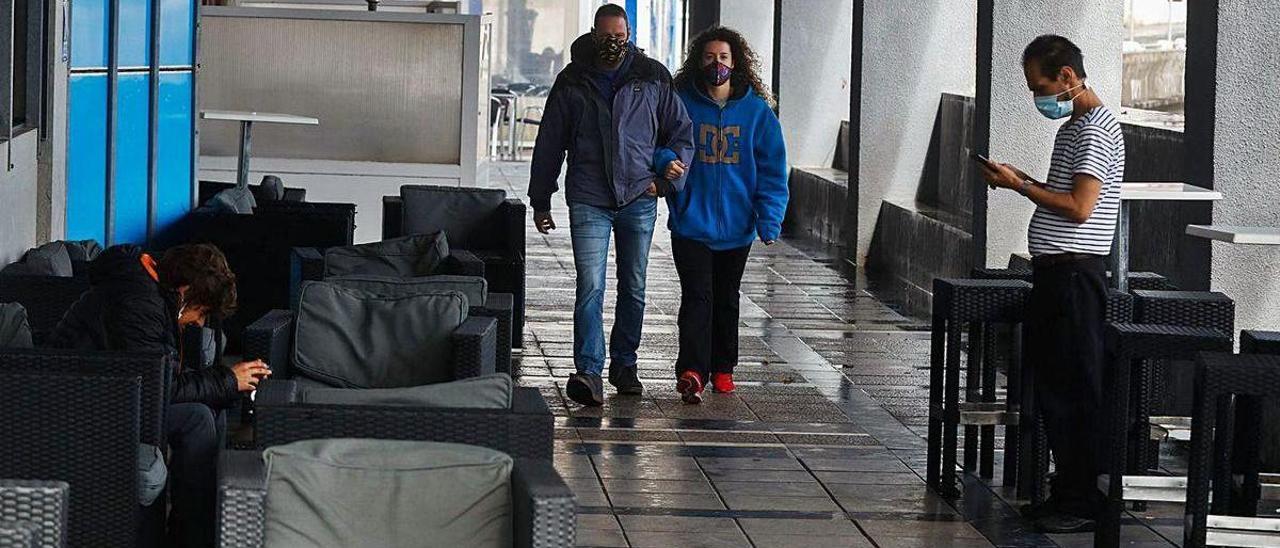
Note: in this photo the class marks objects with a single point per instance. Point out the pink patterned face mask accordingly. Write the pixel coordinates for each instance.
(716, 73)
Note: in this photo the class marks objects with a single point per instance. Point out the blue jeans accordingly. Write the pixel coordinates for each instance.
(590, 227)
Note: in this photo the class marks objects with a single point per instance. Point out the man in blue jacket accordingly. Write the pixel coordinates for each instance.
(610, 110)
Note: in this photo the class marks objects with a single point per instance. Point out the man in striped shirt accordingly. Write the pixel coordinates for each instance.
(1069, 238)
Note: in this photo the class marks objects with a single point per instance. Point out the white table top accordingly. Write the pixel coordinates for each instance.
(267, 117)
(1255, 235)
(1167, 192)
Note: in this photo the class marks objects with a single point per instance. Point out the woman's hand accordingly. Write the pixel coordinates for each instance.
(249, 374)
(675, 170)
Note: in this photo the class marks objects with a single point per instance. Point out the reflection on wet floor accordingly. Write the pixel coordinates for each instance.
(821, 445)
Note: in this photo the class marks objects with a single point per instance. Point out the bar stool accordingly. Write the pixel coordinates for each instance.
(957, 302)
(1219, 377)
(1130, 346)
(1027, 446)
(1185, 308)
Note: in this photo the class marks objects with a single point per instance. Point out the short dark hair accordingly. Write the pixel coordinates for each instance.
(611, 10)
(203, 270)
(1053, 52)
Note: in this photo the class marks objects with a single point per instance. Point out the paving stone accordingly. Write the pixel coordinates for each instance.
(767, 540)
(633, 523)
(701, 539)
(666, 501)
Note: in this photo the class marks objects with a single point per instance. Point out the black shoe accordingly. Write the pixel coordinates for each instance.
(625, 380)
(1039, 510)
(586, 389)
(1060, 523)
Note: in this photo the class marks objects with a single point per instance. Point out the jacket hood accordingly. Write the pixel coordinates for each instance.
(121, 263)
(582, 57)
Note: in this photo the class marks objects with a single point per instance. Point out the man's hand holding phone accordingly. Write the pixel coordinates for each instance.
(1000, 175)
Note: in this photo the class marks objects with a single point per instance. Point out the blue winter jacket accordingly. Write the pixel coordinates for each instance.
(736, 188)
(610, 145)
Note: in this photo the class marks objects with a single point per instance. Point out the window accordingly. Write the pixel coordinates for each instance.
(21, 76)
(1155, 55)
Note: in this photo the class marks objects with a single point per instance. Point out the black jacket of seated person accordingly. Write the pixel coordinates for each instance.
(126, 309)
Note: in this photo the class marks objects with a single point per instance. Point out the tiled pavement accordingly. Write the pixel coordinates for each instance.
(822, 445)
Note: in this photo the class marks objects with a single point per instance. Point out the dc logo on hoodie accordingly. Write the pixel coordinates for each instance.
(717, 146)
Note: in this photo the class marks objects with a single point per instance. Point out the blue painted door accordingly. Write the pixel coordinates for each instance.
(88, 133)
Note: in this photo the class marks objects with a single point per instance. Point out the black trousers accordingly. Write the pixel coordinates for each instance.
(193, 437)
(709, 284)
(1064, 336)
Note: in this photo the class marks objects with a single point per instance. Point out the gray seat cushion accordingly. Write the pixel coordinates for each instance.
(465, 214)
(349, 338)
(233, 200)
(387, 494)
(398, 257)
(474, 287)
(15, 332)
(487, 392)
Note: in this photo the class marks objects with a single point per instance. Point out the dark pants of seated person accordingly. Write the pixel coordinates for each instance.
(709, 284)
(1064, 334)
(193, 454)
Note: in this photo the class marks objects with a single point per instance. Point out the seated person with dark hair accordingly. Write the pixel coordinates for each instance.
(135, 304)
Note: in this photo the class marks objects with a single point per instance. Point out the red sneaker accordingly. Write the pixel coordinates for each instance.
(722, 382)
(690, 387)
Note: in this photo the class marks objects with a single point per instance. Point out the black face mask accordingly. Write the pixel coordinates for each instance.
(610, 50)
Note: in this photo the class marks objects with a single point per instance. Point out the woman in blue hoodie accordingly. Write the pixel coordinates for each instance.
(735, 193)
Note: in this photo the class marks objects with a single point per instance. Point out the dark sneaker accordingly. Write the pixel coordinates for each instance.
(586, 389)
(625, 380)
(689, 386)
(1060, 524)
(1036, 511)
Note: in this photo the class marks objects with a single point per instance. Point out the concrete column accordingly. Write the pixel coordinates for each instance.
(814, 66)
(1018, 133)
(52, 192)
(754, 19)
(913, 52)
(18, 197)
(1245, 149)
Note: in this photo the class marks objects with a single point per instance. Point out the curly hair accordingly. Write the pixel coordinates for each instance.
(203, 270)
(746, 65)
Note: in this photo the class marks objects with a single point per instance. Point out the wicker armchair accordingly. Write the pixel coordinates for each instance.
(543, 507)
(308, 265)
(526, 430)
(33, 514)
(257, 247)
(499, 242)
(81, 429)
(46, 298)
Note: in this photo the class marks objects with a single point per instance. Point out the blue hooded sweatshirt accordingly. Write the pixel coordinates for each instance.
(736, 188)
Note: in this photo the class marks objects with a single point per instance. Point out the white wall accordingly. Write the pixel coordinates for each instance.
(1247, 157)
(1019, 134)
(754, 19)
(912, 53)
(18, 198)
(814, 70)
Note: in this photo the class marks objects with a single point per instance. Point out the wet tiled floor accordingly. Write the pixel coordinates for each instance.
(822, 445)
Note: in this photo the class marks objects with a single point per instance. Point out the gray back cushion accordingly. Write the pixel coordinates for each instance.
(15, 332)
(465, 214)
(487, 392)
(474, 287)
(83, 250)
(387, 494)
(271, 188)
(234, 200)
(355, 339)
(398, 257)
(51, 259)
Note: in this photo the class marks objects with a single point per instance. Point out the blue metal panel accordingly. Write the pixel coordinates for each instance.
(175, 176)
(86, 157)
(131, 159)
(89, 33)
(177, 33)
